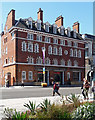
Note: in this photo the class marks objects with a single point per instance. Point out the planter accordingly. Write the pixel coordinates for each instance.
(44, 84)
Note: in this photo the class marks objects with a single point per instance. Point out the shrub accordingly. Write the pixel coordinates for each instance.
(14, 115)
(84, 112)
(45, 104)
(32, 107)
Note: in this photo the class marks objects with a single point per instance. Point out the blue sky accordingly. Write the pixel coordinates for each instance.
(71, 11)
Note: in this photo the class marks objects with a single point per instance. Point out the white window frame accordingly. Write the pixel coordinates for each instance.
(55, 50)
(55, 41)
(69, 43)
(30, 75)
(79, 53)
(12, 34)
(30, 60)
(55, 29)
(75, 52)
(62, 42)
(71, 52)
(36, 48)
(38, 24)
(39, 38)
(63, 62)
(50, 50)
(69, 63)
(47, 39)
(68, 75)
(30, 47)
(75, 63)
(55, 61)
(39, 60)
(23, 45)
(47, 61)
(75, 44)
(60, 50)
(24, 74)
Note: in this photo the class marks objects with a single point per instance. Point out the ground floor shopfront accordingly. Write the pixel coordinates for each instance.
(33, 75)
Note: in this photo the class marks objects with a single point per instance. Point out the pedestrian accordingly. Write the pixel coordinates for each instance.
(93, 90)
(22, 85)
(83, 88)
(56, 88)
(86, 88)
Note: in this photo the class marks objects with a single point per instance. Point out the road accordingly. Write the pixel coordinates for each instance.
(26, 92)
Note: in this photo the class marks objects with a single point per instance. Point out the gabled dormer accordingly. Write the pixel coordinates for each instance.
(46, 26)
(68, 32)
(38, 24)
(54, 28)
(61, 30)
(29, 22)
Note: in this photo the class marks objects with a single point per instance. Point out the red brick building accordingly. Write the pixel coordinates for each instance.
(22, 45)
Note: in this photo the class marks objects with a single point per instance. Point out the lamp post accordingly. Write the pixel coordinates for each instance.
(43, 50)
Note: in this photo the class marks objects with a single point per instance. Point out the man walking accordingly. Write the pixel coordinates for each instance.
(56, 88)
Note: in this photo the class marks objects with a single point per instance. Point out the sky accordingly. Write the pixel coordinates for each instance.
(71, 11)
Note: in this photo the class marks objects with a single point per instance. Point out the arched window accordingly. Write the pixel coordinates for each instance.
(71, 52)
(55, 61)
(50, 50)
(23, 75)
(62, 62)
(30, 60)
(60, 50)
(23, 46)
(75, 63)
(30, 47)
(47, 60)
(75, 53)
(69, 63)
(39, 60)
(55, 51)
(30, 75)
(79, 53)
(36, 48)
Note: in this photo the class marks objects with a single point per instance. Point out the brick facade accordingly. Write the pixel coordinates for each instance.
(15, 60)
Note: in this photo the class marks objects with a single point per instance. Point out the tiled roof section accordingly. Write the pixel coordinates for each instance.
(23, 24)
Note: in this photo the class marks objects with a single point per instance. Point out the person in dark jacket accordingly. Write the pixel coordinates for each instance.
(56, 88)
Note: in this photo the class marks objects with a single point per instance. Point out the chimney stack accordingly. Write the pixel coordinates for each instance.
(76, 26)
(40, 15)
(11, 19)
(59, 21)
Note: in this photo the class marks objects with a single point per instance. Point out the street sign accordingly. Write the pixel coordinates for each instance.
(44, 70)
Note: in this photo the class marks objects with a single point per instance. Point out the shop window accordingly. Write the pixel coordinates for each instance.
(23, 75)
(68, 76)
(30, 75)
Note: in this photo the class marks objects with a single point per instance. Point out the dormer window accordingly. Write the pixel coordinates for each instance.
(46, 27)
(62, 30)
(54, 28)
(74, 33)
(69, 32)
(38, 24)
(30, 22)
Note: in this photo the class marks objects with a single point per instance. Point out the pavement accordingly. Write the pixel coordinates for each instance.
(18, 103)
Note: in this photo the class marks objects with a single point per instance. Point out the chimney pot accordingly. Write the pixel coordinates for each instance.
(40, 15)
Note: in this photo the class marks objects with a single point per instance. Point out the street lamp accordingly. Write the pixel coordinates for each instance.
(43, 50)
